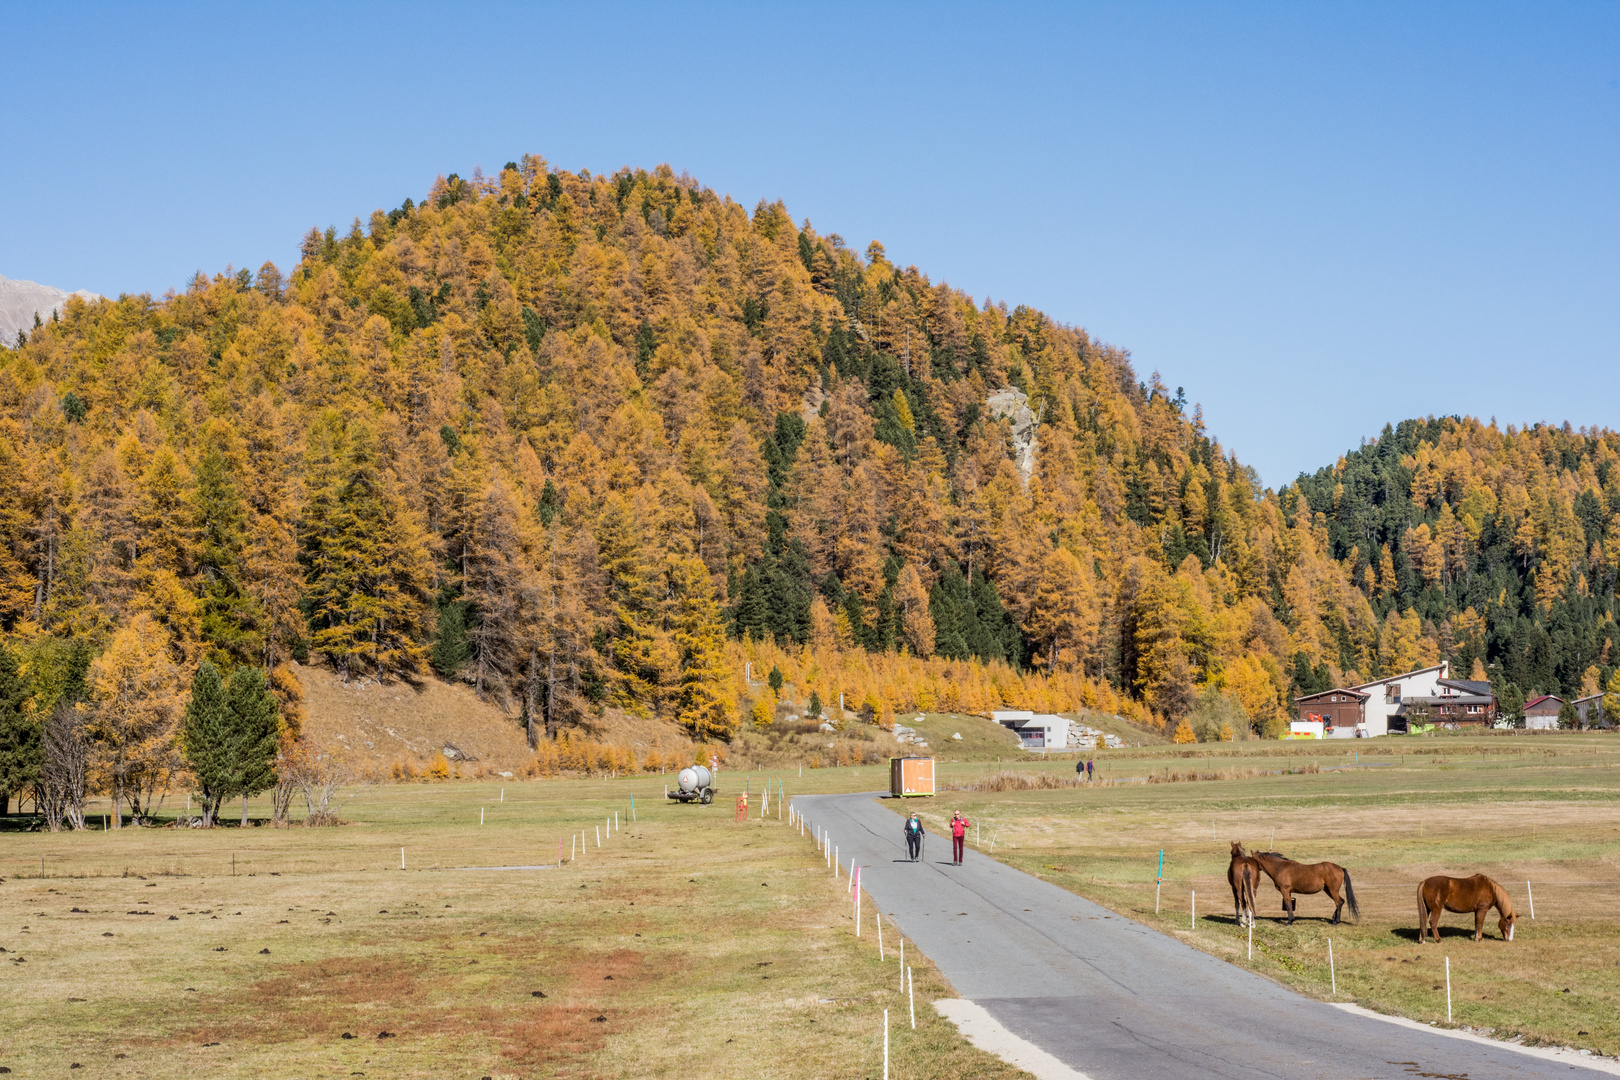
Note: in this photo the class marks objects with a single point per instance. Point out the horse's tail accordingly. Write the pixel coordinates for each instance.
(1350, 895)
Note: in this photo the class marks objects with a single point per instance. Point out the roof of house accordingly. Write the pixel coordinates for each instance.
(1440, 667)
(1592, 697)
(1544, 699)
(1456, 699)
(1467, 686)
(1339, 690)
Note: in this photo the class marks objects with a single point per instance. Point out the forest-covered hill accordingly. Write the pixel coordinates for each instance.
(1497, 549)
(563, 434)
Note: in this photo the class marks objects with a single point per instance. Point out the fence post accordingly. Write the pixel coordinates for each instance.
(1448, 989)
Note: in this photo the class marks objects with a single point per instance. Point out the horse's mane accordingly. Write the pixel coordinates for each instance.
(1503, 904)
(1274, 854)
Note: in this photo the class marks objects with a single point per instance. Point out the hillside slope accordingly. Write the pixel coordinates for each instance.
(565, 433)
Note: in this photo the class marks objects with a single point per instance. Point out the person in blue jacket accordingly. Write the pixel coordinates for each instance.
(914, 835)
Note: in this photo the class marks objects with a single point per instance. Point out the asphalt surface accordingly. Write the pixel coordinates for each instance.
(1112, 998)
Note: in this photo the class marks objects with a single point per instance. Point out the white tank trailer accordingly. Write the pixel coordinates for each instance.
(694, 782)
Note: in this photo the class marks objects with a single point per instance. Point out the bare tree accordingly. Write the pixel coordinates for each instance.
(66, 767)
(320, 777)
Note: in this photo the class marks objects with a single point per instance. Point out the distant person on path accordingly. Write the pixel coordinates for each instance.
(1088, 768)
(1080, 768)
(959, 828)
(914, 835)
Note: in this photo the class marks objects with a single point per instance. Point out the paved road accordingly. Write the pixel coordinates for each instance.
(1112, 998)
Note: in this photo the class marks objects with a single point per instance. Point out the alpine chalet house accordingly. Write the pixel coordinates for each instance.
(1338, 711)
(1424, 696)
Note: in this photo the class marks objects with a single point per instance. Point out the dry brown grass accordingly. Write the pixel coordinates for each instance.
(688, 945)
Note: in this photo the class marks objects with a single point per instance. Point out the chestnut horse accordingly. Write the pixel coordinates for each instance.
(1461, 895)
(1291, 877)
(1244, 876)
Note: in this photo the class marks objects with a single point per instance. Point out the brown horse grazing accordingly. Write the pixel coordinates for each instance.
(1291, 877)
(1244, 876)
(1461, 895)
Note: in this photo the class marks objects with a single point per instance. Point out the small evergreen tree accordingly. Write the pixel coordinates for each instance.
(814, 708)
(255, 730)
(774, 680)
(1568, 716)
(21, 751)
(451, 648)
(206, 739)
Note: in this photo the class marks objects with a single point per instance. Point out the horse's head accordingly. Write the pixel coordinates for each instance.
(1505, 907)
(1237, 849)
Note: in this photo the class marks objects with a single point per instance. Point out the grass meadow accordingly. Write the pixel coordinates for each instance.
(687, 944)
(1541, 809)
(690, 943)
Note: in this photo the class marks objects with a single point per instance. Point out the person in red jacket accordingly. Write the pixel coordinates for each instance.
(959, 828)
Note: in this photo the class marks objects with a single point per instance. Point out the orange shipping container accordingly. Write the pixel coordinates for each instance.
(911, 776)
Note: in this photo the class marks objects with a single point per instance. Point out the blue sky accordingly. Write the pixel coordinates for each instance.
(1316, 219)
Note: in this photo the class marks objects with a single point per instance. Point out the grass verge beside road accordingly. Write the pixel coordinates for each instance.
(1544, 810)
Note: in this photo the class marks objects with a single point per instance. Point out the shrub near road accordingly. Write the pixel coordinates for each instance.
(1542, 810)
(688, 945)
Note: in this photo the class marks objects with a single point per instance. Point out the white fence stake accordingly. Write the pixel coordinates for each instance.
(836, 867)
(911, 993)
(599, 836)
(1157, 885)
(885, 1044)
(1195, 909)
(902, 961)
(1251, 941)
(878, 915)
(480, 815)
(573, 848)
(1532, 894)
(1333, 978)
(1448, 989)
(402, 858)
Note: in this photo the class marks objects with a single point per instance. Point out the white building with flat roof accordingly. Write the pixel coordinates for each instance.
(1384, 697)
(1036, 731)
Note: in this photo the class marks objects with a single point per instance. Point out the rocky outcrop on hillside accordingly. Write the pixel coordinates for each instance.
(1013, 403)
(20, 301)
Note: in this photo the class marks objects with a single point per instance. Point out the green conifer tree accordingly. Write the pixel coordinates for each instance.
(206, 740)
(255, 722)
(451, 650)
(21, 751)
